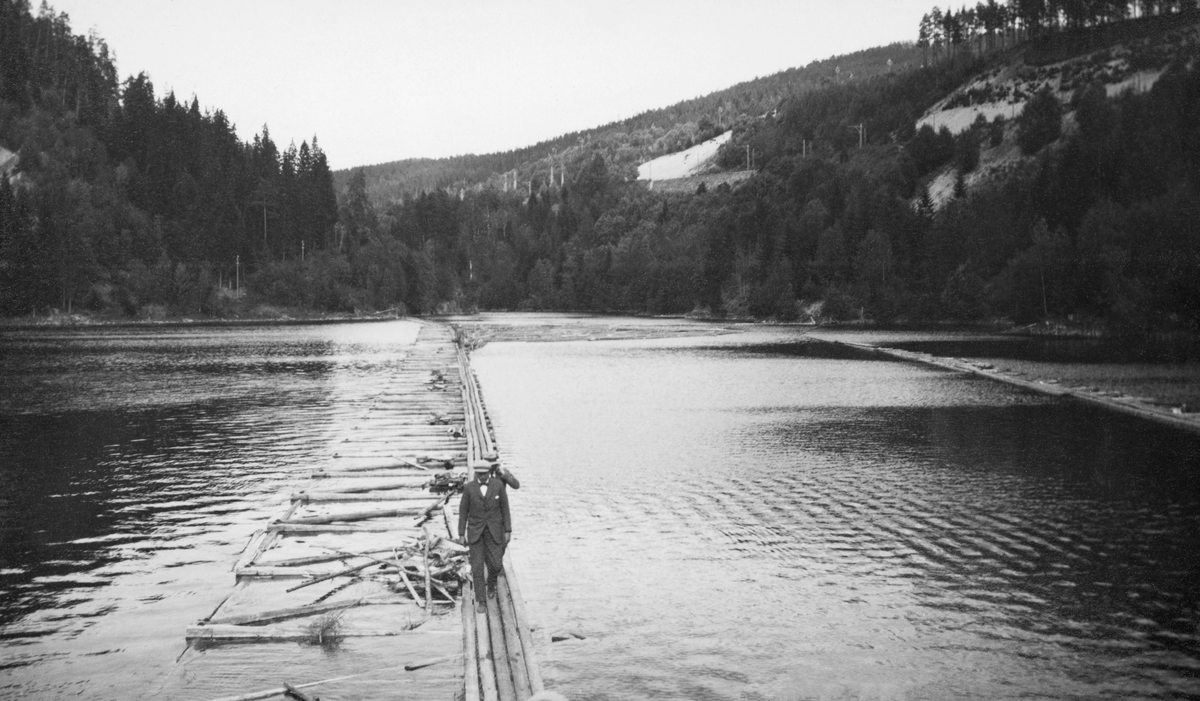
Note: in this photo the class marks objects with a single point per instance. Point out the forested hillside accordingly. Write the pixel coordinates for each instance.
(128, 203)
(626, 144)
(1085, 213)
(1071, 196)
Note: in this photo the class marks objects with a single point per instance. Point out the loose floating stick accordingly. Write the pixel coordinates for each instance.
(432, 661)
(295, 693)
(327, 577)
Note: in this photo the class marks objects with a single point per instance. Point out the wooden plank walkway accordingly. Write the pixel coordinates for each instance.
(366, 542)
(499, 661)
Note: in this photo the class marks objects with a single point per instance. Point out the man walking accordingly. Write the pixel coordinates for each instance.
(484, 525)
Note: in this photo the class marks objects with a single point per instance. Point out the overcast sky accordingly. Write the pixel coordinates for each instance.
(379, 80)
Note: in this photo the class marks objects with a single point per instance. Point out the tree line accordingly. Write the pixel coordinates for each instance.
(992, 25)
(129, 203)
(139, 202)
(1093, 223)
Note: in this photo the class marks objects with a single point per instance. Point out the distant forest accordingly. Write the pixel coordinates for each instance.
(1091, 219)
(127, 203)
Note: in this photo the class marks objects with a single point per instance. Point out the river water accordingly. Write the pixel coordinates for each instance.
(747, 516)
(753, 517)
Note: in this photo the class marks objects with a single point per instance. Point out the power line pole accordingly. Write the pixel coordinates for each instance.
(861, 131)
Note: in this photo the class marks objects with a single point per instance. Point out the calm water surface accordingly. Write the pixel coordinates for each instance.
(134, 466)
(753, 517)
(739, 517)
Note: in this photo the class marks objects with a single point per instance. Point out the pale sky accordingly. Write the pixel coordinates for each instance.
(379, 81)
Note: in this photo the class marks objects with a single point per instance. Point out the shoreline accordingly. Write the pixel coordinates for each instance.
(77, 321)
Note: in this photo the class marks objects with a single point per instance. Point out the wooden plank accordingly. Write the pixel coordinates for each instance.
(318, 559)
(534, 669)
(266, 541)
(483, 650)
(284, 614)
(504, 679)
(342, 497)
(408, 583)
(275, 633)
(411, 666)
(251, 550)
(326, 577)
(409, 484)
(470, 659)
(512, 640)
(354, 516)
(331, 528)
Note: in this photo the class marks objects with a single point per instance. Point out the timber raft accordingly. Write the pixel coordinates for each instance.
(365, 548)
(1091, 396)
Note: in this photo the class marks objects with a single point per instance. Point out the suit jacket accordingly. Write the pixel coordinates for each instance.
(478, 514)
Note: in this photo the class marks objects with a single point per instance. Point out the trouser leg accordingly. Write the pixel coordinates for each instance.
(495, 560)
(476, 553)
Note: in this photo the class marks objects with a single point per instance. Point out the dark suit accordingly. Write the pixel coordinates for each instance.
(485, 522)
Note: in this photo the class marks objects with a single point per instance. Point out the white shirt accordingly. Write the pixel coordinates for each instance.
(483, 488)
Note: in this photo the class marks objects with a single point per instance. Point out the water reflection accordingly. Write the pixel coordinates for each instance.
(134, 465)
(727, 522)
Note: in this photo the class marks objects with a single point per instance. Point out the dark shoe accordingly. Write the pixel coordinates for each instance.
(480, 607)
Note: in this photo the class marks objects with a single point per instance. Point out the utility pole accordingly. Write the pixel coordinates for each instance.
(237, 275)
(861, 131)
(747, 156)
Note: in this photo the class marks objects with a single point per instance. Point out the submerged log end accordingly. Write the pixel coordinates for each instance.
(295, 693)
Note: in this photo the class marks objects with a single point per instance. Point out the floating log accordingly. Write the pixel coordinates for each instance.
(311, 560)
(504, 679)
(268, 572)
(483, 651)
(269, 693)
(522, 625)
(411, 590)
(417, 479)
(343, 573)
(260, 545)
(330, 528)
(512, 640)
(425, 515)
(295, 693)
(437, 586)
(411, 666)
(227, 633)
(353, 516)
(470, 660)
(386, 486)
(285, 614)
(251, 550)
(341, 497)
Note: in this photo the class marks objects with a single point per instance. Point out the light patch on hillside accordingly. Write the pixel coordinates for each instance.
(8, 160)
(1011, 87)
(994, 164)
(684, 163)
(959, 119)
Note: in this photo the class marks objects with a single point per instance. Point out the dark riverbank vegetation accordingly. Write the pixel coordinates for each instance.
(119, 202)
(1024, 161)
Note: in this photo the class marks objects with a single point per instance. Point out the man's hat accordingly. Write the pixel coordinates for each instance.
(481, 465)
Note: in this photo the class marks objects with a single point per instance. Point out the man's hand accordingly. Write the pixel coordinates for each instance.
(508, 537)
